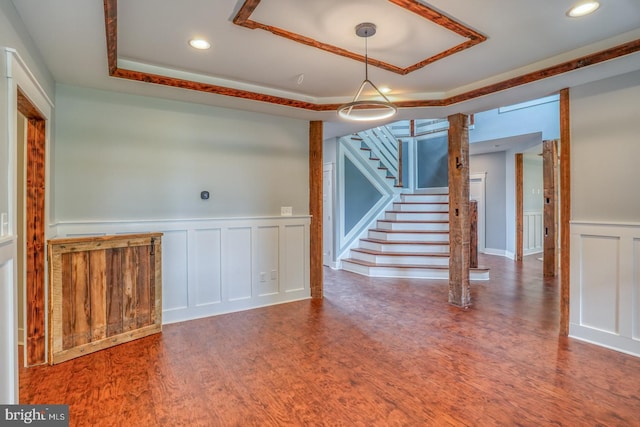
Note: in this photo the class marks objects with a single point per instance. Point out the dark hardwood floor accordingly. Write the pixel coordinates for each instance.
(374, 352)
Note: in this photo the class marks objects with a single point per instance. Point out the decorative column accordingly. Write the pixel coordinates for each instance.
(565, 209)
(550, 178)
(459, 225)
(315, 208)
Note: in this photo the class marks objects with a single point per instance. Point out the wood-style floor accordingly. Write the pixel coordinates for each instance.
(374, 352)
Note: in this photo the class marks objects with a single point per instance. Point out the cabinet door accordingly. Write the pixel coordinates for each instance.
(104, 291)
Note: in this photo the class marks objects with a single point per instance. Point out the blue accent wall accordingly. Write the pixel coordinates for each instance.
(433, 162)
(360, 195)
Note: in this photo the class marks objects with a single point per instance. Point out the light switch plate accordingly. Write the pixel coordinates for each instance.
(286, 211)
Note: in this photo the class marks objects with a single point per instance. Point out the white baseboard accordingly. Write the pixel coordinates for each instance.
(533, 252)
(498, 252)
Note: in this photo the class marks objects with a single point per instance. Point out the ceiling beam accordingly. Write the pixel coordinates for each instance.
(111, 27)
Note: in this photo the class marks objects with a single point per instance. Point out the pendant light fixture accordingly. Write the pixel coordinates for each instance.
(367, 109)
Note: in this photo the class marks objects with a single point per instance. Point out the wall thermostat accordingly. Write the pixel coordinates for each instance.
(204, 195)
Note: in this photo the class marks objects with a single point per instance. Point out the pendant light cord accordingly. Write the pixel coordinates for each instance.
(366, 55)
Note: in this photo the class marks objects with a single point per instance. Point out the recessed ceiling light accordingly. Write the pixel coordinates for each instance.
(583, 8)
(199, 44)
(385, 89)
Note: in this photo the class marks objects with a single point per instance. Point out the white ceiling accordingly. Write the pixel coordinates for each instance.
(522, 36)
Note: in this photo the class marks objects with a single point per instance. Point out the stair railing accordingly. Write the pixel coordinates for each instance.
(384, 146)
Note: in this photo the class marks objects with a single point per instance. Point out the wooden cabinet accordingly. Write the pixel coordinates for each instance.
(103, 291)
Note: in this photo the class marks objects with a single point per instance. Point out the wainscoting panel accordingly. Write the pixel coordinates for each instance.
(605, 277)
(635, 292)
(267, 257)
(219, 266)
(295, 262)
(8, 324)
(532, 232)
(599, 286)
(175, 295)
(205, 266)
(237, 263)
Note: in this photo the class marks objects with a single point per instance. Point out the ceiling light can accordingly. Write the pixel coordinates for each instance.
(582, 8)
(201, 44)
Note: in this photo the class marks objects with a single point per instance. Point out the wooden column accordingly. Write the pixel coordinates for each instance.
(519, 206)
(473, 237)
(34, 239)
(565, 210)
(549, 178)
(315, 207)
(459, 226)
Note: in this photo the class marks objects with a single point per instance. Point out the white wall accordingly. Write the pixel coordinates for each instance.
(605, 148)
(494, 166)
(130, 157)
(605, 228)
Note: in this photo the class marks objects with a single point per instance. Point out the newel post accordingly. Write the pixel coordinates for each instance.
(459, 225)
(315, 208)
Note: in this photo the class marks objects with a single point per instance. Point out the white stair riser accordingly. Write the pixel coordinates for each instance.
(425, 198)
(401, 260)
(478, 275)
(416, 216)
(403, 248)
(425, 226)
(425, 207)
(415, 273)
(423, 273)
(409, 237)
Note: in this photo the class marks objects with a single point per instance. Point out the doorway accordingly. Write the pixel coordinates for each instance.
(31, 231)
(537, 205)
(477, 189)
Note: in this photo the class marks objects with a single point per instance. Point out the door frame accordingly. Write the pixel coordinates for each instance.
(327, 211)
(482, 207)
(31, 238)
(25, 94)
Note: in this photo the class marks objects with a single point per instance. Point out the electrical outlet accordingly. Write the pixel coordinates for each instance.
(286, 211)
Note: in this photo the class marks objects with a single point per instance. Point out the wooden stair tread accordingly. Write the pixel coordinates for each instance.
(423, 194)
(400, 242)
(382, 230)
(415, 221)
(420, 203)
(415, 212)
(372, 252)
(413, 266)
(373, 264)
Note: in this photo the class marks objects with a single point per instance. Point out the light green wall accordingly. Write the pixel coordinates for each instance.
(120, 156)
(605, 148)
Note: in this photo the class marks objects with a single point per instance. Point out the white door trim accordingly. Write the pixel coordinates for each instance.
(479, 179)
(328, 195)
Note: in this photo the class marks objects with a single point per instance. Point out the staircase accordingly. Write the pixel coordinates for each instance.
(411, 241)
